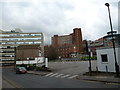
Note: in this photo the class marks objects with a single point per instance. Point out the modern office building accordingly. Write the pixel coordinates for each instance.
(68, 45)
(11, 39)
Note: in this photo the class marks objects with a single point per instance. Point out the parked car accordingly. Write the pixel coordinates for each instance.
(21, 70)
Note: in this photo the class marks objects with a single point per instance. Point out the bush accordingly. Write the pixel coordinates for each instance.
(38, 68)
(87, 58)
(31, 67)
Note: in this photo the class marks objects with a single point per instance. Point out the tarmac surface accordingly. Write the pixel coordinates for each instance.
(71, 68)
(98, 78)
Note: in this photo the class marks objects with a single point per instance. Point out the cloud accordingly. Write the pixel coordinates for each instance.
(59, 17)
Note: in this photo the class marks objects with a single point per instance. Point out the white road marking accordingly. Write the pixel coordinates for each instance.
(65, 76)
(53, 74)
(59, 75)
(48, 74)
(72, 76)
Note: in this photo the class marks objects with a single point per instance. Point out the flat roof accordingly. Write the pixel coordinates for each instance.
(108, 47)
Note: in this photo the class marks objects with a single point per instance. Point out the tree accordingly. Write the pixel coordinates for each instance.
(52, 53)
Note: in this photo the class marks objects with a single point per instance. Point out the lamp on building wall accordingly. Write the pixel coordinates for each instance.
(116, 65)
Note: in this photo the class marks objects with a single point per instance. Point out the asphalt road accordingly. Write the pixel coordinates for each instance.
(37, 81)
(72, 67)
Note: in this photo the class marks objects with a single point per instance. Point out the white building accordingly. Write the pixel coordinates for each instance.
(106, 60)
(11, 39)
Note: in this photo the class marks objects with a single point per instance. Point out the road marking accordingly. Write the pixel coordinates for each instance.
(48, 74)
(59, 75)
(65, 76)
(53, 74)
(72, 77)
(13, 83)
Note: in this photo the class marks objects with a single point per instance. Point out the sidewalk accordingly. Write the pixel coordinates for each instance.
(42, 73)
(98, 78)
(104, 79)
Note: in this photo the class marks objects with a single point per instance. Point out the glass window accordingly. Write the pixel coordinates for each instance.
(104, 58)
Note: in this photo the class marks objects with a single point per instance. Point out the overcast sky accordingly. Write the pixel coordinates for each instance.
(59, 17)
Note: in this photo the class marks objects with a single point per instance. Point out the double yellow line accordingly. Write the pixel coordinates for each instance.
(12, 83)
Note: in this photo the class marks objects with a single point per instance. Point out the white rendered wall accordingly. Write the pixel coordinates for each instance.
(111, 61)
(36, 61)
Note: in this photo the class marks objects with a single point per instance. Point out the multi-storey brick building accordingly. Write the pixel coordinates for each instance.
(68, 45)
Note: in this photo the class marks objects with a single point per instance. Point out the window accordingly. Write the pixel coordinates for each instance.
(104, 58)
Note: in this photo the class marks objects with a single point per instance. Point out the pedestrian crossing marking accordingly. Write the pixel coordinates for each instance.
(72, 76)
(48, 74)
(68, 76)
(53, 74)
(59, 75)
(65, 76)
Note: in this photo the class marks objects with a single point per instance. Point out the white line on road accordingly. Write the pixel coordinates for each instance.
(59, 75)
(65, 76)
(53, 74)
(48, 74)
(72, 77)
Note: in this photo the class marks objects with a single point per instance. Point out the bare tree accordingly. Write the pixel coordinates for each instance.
(52, 53)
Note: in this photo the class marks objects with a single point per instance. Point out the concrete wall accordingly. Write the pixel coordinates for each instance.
(111, 61)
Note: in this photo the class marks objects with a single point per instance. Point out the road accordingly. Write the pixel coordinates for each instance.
(37, 81)
(72, 67)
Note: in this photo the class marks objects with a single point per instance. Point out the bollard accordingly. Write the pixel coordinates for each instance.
(46, 62)
(96, 69)
(106, 69)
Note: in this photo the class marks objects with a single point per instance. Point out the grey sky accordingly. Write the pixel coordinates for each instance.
(59, 16)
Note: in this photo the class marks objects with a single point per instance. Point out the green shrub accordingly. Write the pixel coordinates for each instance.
(87, 58)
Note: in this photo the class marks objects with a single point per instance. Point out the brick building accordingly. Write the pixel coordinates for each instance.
(68, 45)
(105, 41)
(24, 52)
(46, 50)
(96, 44)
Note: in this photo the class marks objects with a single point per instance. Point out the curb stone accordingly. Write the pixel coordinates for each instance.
(104, 81)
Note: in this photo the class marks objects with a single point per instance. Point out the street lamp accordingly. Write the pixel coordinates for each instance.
(88, 52)
(116, 65)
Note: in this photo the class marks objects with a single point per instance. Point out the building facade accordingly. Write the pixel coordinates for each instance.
(27, 52)
(96, 44)
(105, 55)
(106, 60)
(68, 45)
(108, 40)
(11, 39)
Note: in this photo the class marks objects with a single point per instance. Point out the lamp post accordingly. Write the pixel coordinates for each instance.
(116, 65)
(88, 52)
(89, 58)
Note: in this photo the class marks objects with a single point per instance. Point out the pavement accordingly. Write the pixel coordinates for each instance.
(97, 78)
